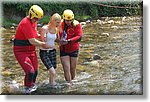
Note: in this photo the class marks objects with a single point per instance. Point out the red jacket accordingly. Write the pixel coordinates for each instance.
(74, 33)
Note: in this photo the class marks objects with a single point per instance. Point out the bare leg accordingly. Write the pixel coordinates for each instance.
(73, 67)
(65, 60)
(52, 76)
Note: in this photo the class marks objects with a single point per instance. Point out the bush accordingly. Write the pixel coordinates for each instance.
(44, 20)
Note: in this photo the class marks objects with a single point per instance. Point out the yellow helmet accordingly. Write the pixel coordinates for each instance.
(68, 15)
(35, 11)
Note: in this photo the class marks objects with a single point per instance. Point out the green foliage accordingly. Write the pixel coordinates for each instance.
(83, 18)
(94, 11)
(8, 22)
(82, 10)
(44, 20)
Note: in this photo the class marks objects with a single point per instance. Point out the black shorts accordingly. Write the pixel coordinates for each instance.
(48, 58)
(72, 54)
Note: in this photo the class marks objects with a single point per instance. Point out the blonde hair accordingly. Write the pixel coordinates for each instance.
(54, 18)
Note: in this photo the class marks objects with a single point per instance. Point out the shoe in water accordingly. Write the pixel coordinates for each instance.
(28, 90)
(34, 86)
(69, 84)
(55, 86)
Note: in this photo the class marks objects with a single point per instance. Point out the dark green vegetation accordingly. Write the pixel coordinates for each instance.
(14, 12)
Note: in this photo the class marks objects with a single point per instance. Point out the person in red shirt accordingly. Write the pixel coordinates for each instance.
(24, 46)
(69, 45)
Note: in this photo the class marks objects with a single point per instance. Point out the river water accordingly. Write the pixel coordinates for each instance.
(119, 71)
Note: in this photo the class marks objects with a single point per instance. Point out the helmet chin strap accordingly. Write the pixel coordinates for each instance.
(33, 20)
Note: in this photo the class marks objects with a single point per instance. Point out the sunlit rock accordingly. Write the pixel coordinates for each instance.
(105, 34)
(6, 73)
(83, 24)
(110, 22)
(124, 18)
(94, 63)
(86, 63)
(118, 22)
(2, 29)
(107, 18)
(12, 27)
(13, 87)
(114, 27)
(12, 38)
(99, 22)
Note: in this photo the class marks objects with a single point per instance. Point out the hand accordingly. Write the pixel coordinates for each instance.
(46, 46)
(63, 42)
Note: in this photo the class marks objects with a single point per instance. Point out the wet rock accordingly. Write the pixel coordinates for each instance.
(88, 21)
(96, 57)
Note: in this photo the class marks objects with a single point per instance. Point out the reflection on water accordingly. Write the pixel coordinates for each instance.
(119, 71)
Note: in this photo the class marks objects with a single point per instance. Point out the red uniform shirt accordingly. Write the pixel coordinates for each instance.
(26, 30)
(74, 33)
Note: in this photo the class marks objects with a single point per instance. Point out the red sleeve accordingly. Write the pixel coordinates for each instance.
(30, 31)
(60, 35)
(61, 32)
(78, 32)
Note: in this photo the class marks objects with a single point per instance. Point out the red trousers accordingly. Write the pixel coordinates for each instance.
(27, 58)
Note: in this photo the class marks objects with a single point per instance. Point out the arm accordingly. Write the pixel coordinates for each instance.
(78, 31)
(43, 38)
(38, 35)
(36, 42)
(43, 35)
